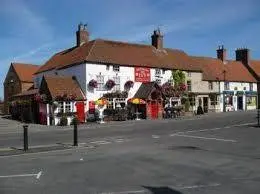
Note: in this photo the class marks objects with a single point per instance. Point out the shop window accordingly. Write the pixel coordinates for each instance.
(250, 86)
(226, 86)
(100, 82)
(189, 85)
(117, 83)
(251, 101)
(210, 85)
(116, 68)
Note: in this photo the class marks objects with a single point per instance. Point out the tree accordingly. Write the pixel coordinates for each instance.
(178, 77)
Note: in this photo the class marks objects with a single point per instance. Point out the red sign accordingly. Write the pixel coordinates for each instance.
(142, 74)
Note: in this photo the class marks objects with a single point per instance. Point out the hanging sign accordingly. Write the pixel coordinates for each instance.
(142, 74)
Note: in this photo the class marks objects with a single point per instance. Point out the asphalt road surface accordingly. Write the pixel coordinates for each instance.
(213, 154)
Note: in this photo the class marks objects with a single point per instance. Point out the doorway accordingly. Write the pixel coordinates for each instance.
(205, 104)
(154, 109)
(240, 103)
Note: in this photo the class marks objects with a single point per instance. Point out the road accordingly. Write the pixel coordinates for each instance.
(212, 154)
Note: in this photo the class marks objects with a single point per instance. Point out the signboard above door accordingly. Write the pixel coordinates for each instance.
(142, 74)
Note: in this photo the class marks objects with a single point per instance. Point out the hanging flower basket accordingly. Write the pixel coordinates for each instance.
(93, 83)
(110, 84)
(129, 84)
(101, 102)
(182, 87)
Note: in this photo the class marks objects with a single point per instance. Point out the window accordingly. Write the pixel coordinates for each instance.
(189, 85)
(117, 83)
(213, 99)
(226, 86)
(157, 72)
(163, 71)
(251, 100)
(189, 74)
(100, 82)
(250, 86)
(170, 81)
(244, 88)
(116, 68)
(110, 103)
(210, 85)
(158, 81)
(67, 107)
(60, 107)
(107, 67)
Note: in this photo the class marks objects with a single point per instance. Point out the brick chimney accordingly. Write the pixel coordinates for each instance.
(222, 53)
(157, 39)
(243, 55)
(82, 34)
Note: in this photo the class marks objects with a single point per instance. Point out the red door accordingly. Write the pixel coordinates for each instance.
(80, 111)
(154, 110)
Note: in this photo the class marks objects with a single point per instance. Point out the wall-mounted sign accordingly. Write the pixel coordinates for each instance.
(142, 74)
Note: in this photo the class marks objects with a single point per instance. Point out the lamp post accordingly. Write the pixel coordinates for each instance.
(224, 98)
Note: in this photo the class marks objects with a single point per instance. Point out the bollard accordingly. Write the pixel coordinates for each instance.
(25, 137)
(75, 133)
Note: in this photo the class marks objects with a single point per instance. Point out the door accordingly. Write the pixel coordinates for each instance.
(205, 104)
(80, 111)
(154, 110)
(240, 103)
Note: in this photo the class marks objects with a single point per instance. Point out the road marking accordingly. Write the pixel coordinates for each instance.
(119, 140)
(199, 186)
(155, 136)
(100, 142)
(23, 175)
(206, 138)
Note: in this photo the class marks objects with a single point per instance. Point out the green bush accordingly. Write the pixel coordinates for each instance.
(63, 120)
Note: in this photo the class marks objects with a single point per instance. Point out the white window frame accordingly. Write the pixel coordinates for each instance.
(116, 68)
(100, 82)
(158, 81)
(189, 74)
(210, 85)
(67, 107)
(251, 87)
(158, 72)
(226, 86)
(117, 83)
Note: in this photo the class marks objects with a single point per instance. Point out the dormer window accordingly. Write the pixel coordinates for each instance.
(116, 68)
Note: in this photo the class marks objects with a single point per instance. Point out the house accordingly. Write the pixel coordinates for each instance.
(237, 89)
(103, 62)
(19, 78)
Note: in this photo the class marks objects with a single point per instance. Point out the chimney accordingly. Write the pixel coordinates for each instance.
(222, 53)
(157, 39)
(243, 55)
(82, 34)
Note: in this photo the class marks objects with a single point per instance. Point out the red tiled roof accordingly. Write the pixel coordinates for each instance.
(213, 70)
(27, 93)
(25, 71)
(60, 85)
(105, 51)
(255, 65)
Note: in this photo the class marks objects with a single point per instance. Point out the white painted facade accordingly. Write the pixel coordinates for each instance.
(235, 88)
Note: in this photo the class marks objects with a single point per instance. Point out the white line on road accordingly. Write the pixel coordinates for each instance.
(100, 142)
(206, 138)
(155, 136)
(23, 175)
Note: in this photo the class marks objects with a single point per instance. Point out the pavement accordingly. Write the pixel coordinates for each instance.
(218, 153)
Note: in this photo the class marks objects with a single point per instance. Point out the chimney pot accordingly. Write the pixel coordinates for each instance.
(221, 53)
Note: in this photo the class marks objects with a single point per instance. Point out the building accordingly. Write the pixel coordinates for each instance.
(120, 71)
(19, 78)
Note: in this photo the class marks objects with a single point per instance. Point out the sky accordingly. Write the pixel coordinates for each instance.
(32, 31)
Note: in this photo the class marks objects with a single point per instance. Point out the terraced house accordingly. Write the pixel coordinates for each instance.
(121, 71)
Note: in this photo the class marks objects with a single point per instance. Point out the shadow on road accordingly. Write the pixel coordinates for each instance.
(161, 190)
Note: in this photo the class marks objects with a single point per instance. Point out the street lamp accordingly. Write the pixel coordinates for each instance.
(224, 99)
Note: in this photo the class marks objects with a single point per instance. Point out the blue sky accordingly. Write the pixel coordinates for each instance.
(32, 31)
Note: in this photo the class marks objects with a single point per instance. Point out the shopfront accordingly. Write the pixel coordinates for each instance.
(251, 100)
